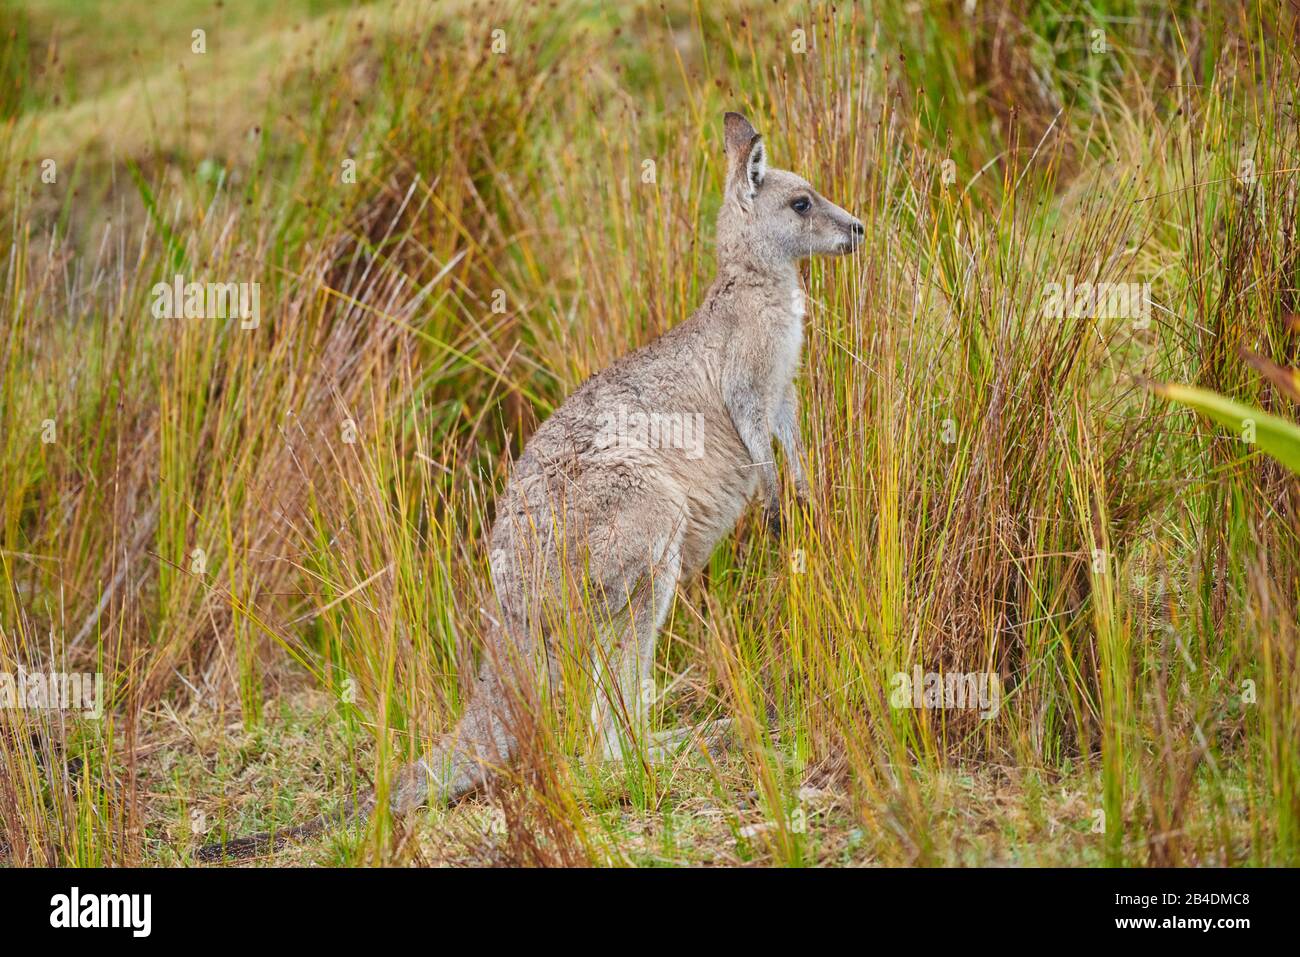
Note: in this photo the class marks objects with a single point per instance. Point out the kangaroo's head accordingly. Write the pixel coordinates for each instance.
(774, 216)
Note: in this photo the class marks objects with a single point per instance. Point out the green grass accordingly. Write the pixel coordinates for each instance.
(273, 541)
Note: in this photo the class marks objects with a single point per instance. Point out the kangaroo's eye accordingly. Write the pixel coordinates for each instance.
(801, 205)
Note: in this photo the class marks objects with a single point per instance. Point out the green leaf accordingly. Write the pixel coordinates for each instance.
(1278, 437)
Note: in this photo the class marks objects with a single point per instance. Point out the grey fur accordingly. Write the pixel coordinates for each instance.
(628, 518)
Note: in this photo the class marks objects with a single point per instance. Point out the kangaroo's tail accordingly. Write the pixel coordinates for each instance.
(481, 742)
(268, 842)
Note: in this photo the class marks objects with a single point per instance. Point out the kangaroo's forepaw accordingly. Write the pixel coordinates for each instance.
(773, 520)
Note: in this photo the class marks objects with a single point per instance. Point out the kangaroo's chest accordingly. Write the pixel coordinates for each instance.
(777, 346)
(787, 341)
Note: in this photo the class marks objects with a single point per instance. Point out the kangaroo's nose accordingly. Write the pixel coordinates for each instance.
(858, 229)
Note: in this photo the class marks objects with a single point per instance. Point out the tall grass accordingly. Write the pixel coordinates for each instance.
(228, 514)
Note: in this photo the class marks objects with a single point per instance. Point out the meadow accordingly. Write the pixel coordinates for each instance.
(268, 534)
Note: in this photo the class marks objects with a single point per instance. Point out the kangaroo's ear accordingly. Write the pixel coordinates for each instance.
(746, 158)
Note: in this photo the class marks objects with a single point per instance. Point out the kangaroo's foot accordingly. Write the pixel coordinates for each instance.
(410, 790)
(714, 736)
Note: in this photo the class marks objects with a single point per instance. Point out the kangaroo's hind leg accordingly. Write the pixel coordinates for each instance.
(624, 683)
(625, 686)
(632, 560)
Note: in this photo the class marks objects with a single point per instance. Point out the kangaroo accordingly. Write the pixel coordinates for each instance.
(631, 517)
